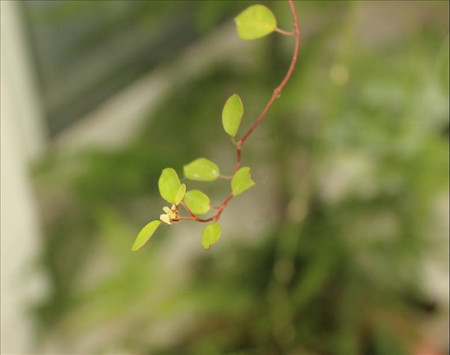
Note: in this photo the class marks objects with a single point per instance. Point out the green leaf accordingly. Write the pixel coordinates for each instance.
(210, 235)
(169, 184)
(201, 169)
(241, 181)
(145, 234)
(232, 114)
(197, 201)
(180, 194)
(254, 22)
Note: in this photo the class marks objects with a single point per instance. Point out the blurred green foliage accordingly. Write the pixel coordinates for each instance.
(358, 145)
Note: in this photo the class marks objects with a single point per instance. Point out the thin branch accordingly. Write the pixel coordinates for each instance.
(193, 217)
(279, 88)
(188, 210)
(181, 218)
(275, 95)
(224, 204)
(238, 157)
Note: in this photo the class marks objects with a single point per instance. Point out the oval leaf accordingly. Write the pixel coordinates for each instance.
(197, 202)
(254, 22)
(201, 169)
(180, 194)
(145, 234)
(232, 114)
(169, 184)
(241, 181)
(210, 235)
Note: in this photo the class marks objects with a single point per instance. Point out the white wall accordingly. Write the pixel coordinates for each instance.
(22, 139)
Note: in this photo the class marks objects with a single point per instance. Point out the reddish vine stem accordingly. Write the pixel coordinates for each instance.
(276, 94)
(192, 216)
(279, 88)
(238, 157)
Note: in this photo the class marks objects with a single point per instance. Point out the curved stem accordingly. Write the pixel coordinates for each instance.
(181, 218)
(276, 93)
(224, 204)
(279, 88)
(193, 216)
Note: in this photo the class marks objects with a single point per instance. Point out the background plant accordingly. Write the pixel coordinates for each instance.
(334, 261)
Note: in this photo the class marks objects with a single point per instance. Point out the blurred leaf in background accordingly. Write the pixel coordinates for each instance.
(357, 149)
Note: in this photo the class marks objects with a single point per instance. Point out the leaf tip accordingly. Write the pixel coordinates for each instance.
(145, 234)
(211, 235)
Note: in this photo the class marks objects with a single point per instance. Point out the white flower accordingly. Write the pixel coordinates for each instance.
(170, 215)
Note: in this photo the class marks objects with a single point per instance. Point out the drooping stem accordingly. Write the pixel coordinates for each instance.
(192, 216)
(279, 88)
(276, 94)
(224, 204)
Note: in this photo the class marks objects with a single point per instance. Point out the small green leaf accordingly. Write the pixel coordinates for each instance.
(210, 235)
(241, 181)
(180, 194)
(169, 184)
(255, 21)
(145, 234)
(232, 114)
(201, 169)
(197, 201)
